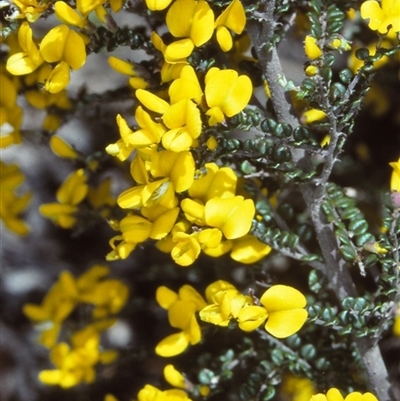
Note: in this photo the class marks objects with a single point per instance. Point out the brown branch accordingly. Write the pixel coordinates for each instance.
(336, 267)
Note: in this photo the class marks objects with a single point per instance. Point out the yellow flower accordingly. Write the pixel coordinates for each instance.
(181, 308)
(10, 112)
(174, 173)
(313, 115)
(312, 50)
(30, 58)
(149, 133)
(12, 205)
(56, 306)
(77, 364)
(186, 87)
(74, 188)
(182, 118)
(334, 394)
(227, 94)
(296, 388)
(213, 182)
(286, 313)
(174, 377)
(225, 301)
(72, 192)
(31, 10)
(395, 177)
(191, 20)
(234, 18)
(67, 47)
(184, 122)
(108, 296)
(382, 15)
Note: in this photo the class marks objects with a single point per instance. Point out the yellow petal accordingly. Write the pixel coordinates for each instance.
(189, 294)
(249, 250)
(58, 78)
(174, 377)
(131, 198)
(74, 50)
(22, 64)
(68, 15)
(135, 229)
(162, 226)
(186, 251)
(151, 101)
(74, 188)
(179, 50)
(282, 297)
(251, 317)
(311, 48)
(233, 17)
(284, 323)
(62, 149)
(166, 297)
(172, 345)
(121, 66)
(52, 45)
(224, 38)
(371, 10)
(179, 17)
(334, 394)
(233, 216)
(202, 23)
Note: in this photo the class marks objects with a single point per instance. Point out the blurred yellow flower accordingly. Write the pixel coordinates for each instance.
(395, 177)
(382, 15)
(181, 307)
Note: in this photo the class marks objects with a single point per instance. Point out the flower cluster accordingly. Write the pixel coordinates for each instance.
(186, 210)
(75, 360)
(12, 204)
(75, 189)
(282, 306)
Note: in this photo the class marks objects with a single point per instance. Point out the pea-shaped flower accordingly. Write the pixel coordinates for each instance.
(181, 308)
(227, 94)
(311, 48)
(191, 20)
(30, 58)
(233, 18)
(382, 15)
(282, 306)
(65, 46)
